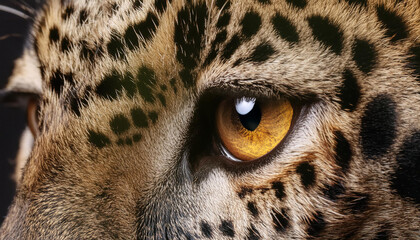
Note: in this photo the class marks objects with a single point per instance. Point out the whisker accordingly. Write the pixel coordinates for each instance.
(13, 11)
(10, 35)
(26, 7)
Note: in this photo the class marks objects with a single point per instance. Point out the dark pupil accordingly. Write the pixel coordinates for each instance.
(252, 119)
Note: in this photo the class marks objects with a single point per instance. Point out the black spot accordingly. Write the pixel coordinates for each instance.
(221, 3)
(396, 29)
(76, 104)
(116, 46)
(279, 189)
(252, 209)
(173, 84)
(146, 29)
(163, 87)
(187, 235)
(307, 173)
(119, 124)
(98, 139)
(162, 99)
(334, 191)
(139, 118)
(238, 62)
(68, 12)
(129, 141)
(360, 2)
(378, 126)
(327, 33)
(83, 16)
(115, 7)
(414, 61)
(65, 44)
(262, 52)
(285, 29)
(69, 78)
(223, 20)
(120, 142)
(251, 23)
(263, 190)
(316, 225)
(280, 220)
(161, 5)
(103, 194)
(86, 52)
(110, 86)
(188, 37)
(220, 37)
(364, 54)
(231, 47)
(148, 26)
(406, 179)
(227, 228)
(382, 235)
(128, 84)
(146, 81)
(343, 152)
(187, 78)
(54, 35)
(131, 38)
(42, 70)
(137, 4)
(57, 82)
(137, 137)
(356, 202)
(349, 92)
(36, 49)
(297, 3)
(253, 233)
(206, 229)
(153, 116)
(244, 191)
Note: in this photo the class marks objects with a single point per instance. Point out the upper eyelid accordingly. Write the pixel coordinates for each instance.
(259, 89)
(239, 88)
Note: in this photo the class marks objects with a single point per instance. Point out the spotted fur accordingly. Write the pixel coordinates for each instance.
(128, 88)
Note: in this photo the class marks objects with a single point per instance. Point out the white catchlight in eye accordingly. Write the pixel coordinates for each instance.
(244, 105)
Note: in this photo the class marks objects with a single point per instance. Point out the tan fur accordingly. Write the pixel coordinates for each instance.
(154, 188)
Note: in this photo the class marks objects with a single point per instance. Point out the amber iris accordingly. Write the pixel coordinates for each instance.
(249, 128)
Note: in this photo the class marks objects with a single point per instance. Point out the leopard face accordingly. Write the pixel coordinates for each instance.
(181, 119)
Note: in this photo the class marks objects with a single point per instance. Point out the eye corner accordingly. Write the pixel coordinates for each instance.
(16, 98)
(22, 99)
(32, 114)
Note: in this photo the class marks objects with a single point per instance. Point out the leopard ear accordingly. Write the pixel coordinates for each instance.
(25, 83)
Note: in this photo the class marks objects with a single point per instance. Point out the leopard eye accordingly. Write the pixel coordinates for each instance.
(249, 128)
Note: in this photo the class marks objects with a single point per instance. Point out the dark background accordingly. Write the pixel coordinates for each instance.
(13, 31)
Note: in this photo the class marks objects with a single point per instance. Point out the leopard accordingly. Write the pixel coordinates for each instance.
(219, 119)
